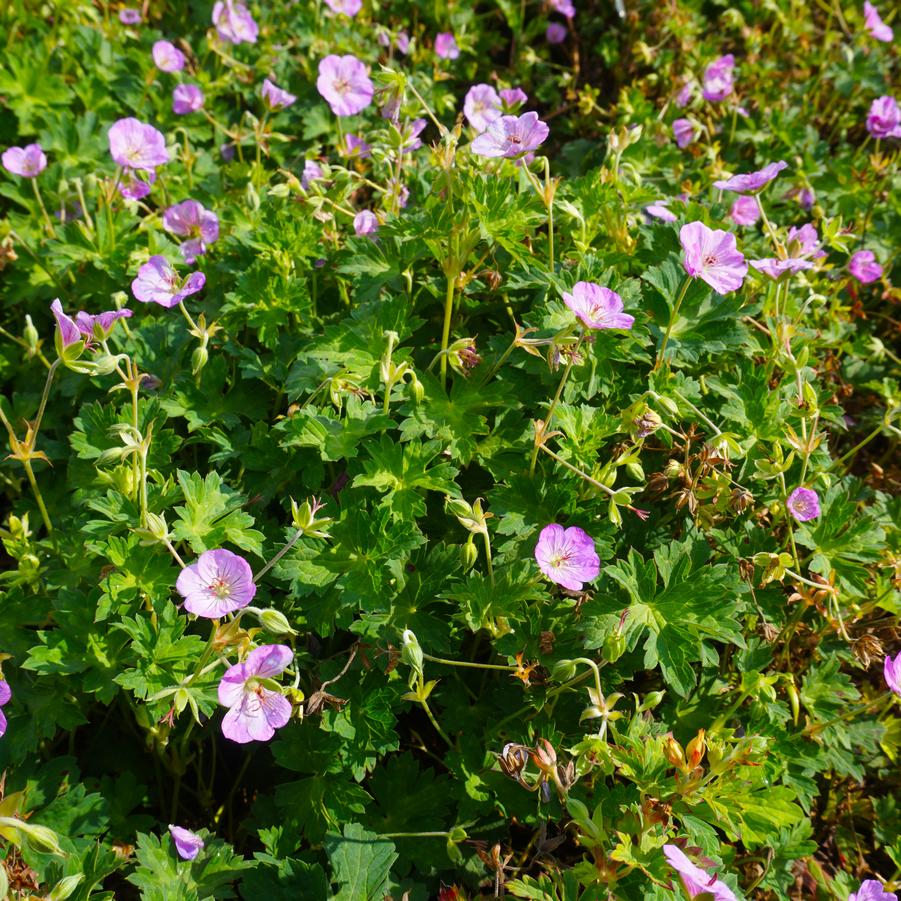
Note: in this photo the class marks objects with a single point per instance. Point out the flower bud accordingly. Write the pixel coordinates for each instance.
(31, 336)
(65, 887)
(275, 622)
(695, 750)
(199, 359)
(563, 671)
(469, 554)
(673, 469)
(417, 389)
(673, 752)
(156, 525)
(411, 652)
(614, 646)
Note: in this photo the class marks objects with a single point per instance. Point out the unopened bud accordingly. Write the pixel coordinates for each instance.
(469, 554)
(156, 525)
(199, 359)
(65, 887)
(614, 646)
(31, 336)
(417, 389)
(673, 469)
(695, 750)
(673, 752)
(563, 671)
(275, 622)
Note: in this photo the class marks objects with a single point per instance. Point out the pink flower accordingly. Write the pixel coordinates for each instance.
(410, 133)
(686, 92)
(186, 98)
(189, 219)
(803, 504)
(567, 556)
(872, 890)
(684, 132)
(347, 7)
(892, 674)
(864, 268)
(218, 582)
(776, 268)
(555, 33)
(5, 695)
(745, 211)
(365, 223)
(658, 210)
(712, 255)
(255, 711)
(187, 843)
(597, 307)
(234, 22)
(26, 162)
(718, 81)
(696, 880)
(355, 148)
(167, 57)
(481, 106)
(806, 198)
(135, 184)
(312, 171)
(751, 182)
(513, 98)
(804, 242)
(402, 42)
(446, 45)
(564, 7)
(134, 145)
(874, 24)
(511, 136)
(344, 84)
(85, 327)
(274, 97)
(884, 118)
(158, 282)
(130, 16)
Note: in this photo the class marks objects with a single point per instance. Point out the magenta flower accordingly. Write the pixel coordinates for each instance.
(597, 307)
(26, 162)
(718, 82)
(189, 219)
(804, 242)
(481, 106)
(564, 7)
(872, 890)
(410, 133)
(344, 84)
(751, 182)
(5, 695)
(167, 57)
(884, 118)
(312, 171)
(864, 268)
(806, 198)
(396, 194)
(347, 7)
(567, 556)
(446, 45)
(555, 33)
(804, 504)
(134, 145)
(513, 98)
(511, 136)
(659, 210)
(158, 282)
(130, 16)
(135, 184)
(187, 843)
(712, 255)
(776, 268)
(355, 148)
(186, 98)
(685, 95)
(745, 211)
(218, 582)
(696, 880)
(892, 674)
(274, 97)
(365, 223)
(85, 327)
(874, 24)
(684, 132)
(255, 711)
(402, 42)
(234, 22)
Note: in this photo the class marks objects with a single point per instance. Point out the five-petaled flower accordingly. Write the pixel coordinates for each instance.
(804, 504)
(344, 83)
(255, 710)
(186, 98)
(696, 880)
(893, 674)
(718, 81)
(745, 210)
(777, 268)
(864, 267)
(167, 57)
(158, 282)
(366, 223)
(751, 182)
(136, 145)
(481, 106)
(873, 21)
(511, 136)
(597, 307)
(27, 162)
(446, 45)
(567, 556)
(346, 7)
(274, 97)
(187, 843)
(218, 582)
(712, 255)
(234, 22)
(884, 118)
(85, 327)
(190, 219)
(872, 890)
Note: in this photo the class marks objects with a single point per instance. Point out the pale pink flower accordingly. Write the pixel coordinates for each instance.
(234, 22)
(659, 210)
(130, 16)
(345, 7)
(751, 182)
(186, 98)
(255, 711)
(511, 136)
(745, 211)
(158, 282)
(712, 255)
(481, 106)
(893, 674)
(190, 219)
(187, 843)
(884, 118)
(85, 327)
(777, 268)
(355, 148)
(872, 890)
(874, 24)
(555, 33)
(513, 98)
(804, 242)
(597, 307)
(344, 83)
(567, 556)
(26, 162)
(718, 81)
(684, 132)
(696, 880)
(274, 97)
(803, 504)
(5, 695)
(135, 145)
(366, 223)
(446, 45)
(167, 57)
(312, 171)
(564, 7)
(864, 267)
(217, 583)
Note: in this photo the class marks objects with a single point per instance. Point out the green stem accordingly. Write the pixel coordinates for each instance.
(445, 333)
(549, 203)
(43, 405)
(593, 482)
(37, 496)
(47, 219)
(435, 723)
(672, 321)
(291, 542)
(487, 541)
(468, 665)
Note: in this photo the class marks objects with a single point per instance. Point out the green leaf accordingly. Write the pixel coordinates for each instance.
(361, 862)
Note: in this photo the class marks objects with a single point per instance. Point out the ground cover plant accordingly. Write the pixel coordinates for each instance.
(453, 450)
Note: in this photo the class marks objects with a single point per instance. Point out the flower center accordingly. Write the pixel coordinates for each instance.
(710, 260)
(342, 86)
(220, 588)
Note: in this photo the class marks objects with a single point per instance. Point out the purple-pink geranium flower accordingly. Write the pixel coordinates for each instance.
(776, 268)
(274, 97)
(684, 132)
(158, 282)
(186, 98)
(167, 57)
(893, 674)
(135, 184)
(745, 211)
(718, 81)
(347, 7)
(511, 136)
(564, 7)
(874, 24)
(366, 223)
(410, 133)
(402, 42)
(446, 45)
(129, 16)
(804, 242)
(355, 148)
(555, 33)
(804, 504)
(872, 890)
(513, 98)
(751, 182)
(597, 307)
(481, 106)
(5, 695)
(696, 880)
(864, 267)
(135, 145)
(190, 219)
(567, 556)
(686, 92)
(218, 582)
(255, 711)
(187, 843)
(712, 255)
(312, 171)
(85, 327)
(659, 210)
(234, 22)
(26, 162)
(344, 83)
(884, 118)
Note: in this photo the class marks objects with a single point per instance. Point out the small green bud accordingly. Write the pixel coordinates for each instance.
(31, 336)
(199, 359)
(614, 646)
(275, 622)
(470, 554)
(65, 887)
(563, 671)
(156, 525)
